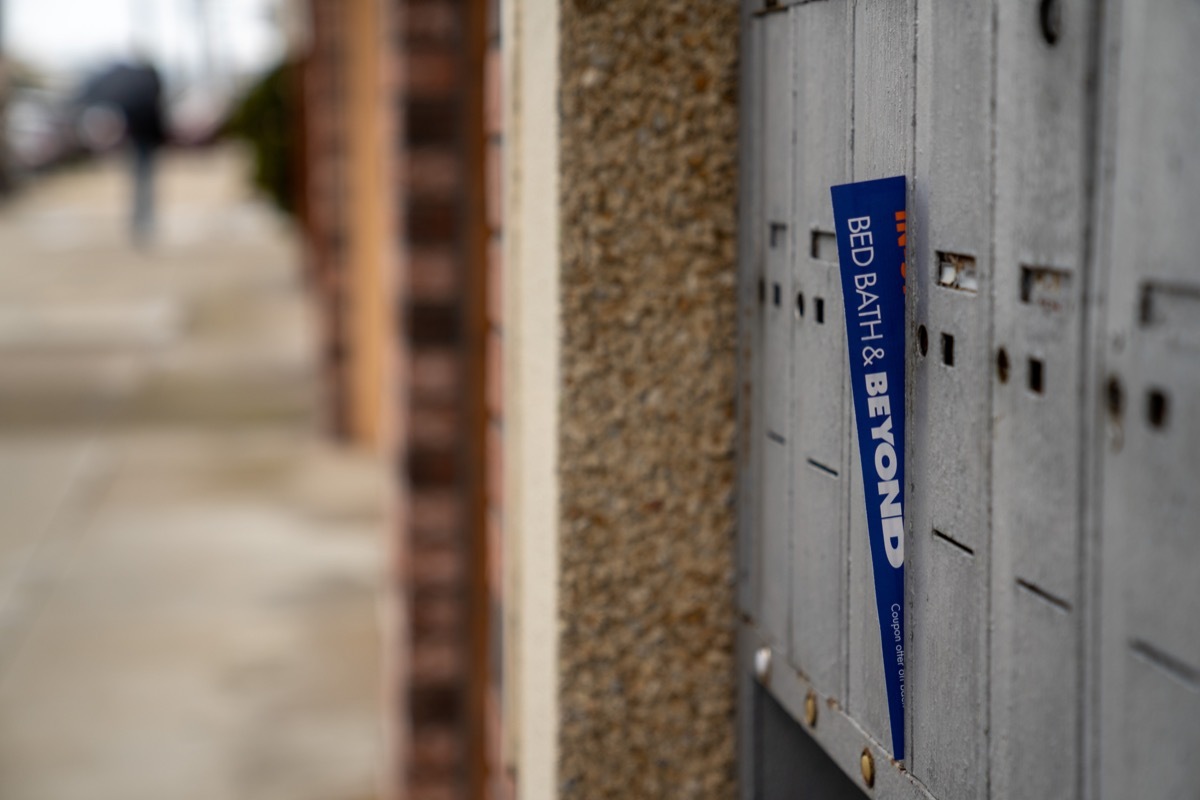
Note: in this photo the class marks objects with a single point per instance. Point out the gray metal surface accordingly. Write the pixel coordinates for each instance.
(1150, 517)
(881, 57)
(819, 369)
(1042, 165)
(750, 276)
(777, 230)
(1053, 552)
(949, 298)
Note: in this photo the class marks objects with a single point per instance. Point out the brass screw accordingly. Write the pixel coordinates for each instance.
(868, 768)
(810, 709)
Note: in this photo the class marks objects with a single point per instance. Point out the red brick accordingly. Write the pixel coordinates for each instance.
(494, 177)
(430, 21)
(495, 466)
(436, 566)
(434, 374)
(432, 120)
(434, 425)
(435, 662)
(500, 782)
(508, 786)
(493, 92)
(432, 466)
(433, 172)
(432, 276)
(495, 281)
(434, 512)
(430, 72)
(494, 374)
(437, 752)
(433, 220)
(445, 789)
(435, 611)
(495, 553)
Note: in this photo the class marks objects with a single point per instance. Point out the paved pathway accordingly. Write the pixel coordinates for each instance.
(188, 574)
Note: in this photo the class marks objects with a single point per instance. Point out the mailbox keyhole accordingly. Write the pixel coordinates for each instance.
(922, 340)
(1116, 398)
(947, 350)
(819, 310)
(1156, 408)
(1002, 365)
(1036, 376)
(1050, 14)
(799, 304)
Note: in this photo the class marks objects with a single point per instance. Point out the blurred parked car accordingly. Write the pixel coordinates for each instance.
(47, 126)
(41, 129)
(197, 114)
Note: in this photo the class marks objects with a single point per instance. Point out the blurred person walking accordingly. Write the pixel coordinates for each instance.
(134, 90)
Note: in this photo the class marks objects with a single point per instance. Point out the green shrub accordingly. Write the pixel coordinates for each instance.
(265, 118)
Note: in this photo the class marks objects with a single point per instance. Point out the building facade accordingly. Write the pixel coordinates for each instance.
(579, 278)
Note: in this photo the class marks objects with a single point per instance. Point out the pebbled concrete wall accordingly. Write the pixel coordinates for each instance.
(647, 180)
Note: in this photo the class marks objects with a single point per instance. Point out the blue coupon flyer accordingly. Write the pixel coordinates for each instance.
(871, 220)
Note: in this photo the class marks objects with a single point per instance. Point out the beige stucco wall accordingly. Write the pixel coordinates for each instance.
(647, 216)
(531, 393)
(620, 366)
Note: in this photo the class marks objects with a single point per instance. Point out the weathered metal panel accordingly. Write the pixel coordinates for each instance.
(777, 229)
(817, 434)
(1044, 115)
(751, 433)
(883, 47)
(1157, 758)
(1043, 163)
(1150, 547)
(949, 282)
(1043, 688)
(1052, 552)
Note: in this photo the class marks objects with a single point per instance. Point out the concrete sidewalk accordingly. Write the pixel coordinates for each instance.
(188, 574)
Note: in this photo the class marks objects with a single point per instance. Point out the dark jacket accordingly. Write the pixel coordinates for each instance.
(136, 90)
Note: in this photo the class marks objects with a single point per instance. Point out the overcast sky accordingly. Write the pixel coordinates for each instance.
(69, 35)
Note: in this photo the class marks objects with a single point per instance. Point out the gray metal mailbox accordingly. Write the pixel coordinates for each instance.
(1053, 385)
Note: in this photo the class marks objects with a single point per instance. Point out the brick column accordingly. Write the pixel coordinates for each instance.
(324, 203)
(435, 459)
(500, 782)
